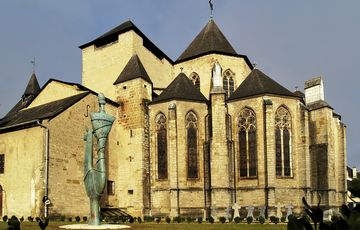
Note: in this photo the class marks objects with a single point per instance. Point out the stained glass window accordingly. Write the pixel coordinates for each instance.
(247, 143)
(161, 146)
(228, 82)
(283, 141)
(192, 150)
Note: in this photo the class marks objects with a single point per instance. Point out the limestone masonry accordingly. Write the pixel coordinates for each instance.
(192, 137)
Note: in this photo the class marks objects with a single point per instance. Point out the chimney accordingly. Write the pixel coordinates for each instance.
(354, 172)
(314, 90)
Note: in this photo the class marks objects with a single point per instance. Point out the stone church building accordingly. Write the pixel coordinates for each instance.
(192, 137)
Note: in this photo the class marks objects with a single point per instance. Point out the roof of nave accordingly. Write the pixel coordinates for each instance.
(133, 69)
(31, 91)
(45, 111)
(113, 34)
(257, 83)
(181, 88)
(209, 40)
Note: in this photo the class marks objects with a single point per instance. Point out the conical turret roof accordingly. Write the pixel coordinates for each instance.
(257, 83)
(209, 40)
(181, 88)
(33, 87)
(133, 69)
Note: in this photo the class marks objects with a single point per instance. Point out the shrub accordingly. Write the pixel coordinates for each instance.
(177, 219)
(84, 218)
(168, 220)
(131, 219)
(249, 219)
(158, 220)
(77, 218)
(22, 219)
(222, 219)
(199, 220)
(139, 220)
(211, 220)
(261, 219)
(5, 218)
(148, 218)
(13, 223)
(62, 218)
(30, 218)
(283, 219)
(274, 219)
(188, 219)
(37, 219)
(237, 219)
(70, 219)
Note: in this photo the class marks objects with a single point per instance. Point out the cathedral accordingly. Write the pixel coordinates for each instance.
(192, 137)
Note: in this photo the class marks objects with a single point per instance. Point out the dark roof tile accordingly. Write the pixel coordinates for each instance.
(133, 69)
(257, 83)
(181, 88)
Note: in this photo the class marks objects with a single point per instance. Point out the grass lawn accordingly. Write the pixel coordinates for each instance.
(163, 226)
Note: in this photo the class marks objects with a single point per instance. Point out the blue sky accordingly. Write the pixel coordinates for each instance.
(291, 41)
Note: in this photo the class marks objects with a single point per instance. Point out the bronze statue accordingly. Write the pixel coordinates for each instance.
(95, 177)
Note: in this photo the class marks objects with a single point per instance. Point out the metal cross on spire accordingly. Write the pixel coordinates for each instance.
(211, 9)
(33, 64)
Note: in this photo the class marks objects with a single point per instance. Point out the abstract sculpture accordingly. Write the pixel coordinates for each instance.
(95, 176)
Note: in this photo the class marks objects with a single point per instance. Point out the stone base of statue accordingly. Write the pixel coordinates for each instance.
(102, 226)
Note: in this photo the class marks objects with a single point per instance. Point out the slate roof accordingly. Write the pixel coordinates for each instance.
(318, 105)
(112, 36)
(257, 83)
(209, 40)
(181, 88)
(31, 91)
(44, 111)
(133, 69)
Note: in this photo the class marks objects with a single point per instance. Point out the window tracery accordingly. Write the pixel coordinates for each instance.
(192, 148)
(228, 82)
(194, 77)
(161, 135)
(247, 143)
(283, 142)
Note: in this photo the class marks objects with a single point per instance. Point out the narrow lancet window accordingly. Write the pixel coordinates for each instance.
(283, 142)
(161, 134)
(192, 146)
(228, 82)
(247, 143)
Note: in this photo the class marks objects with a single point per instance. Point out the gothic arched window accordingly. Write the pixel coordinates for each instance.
(192, 146)
(194, 77)
(228, 82)
(247, 143)
(283, 142)
(161, 136)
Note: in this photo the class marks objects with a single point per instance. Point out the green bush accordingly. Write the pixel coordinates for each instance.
(30, 218)
(177, 219)
(70, 219)
(139, 220)
(274, 219)
(188, 219)
(13, 223)
(249, 219)
(158, 219)
(261, 219)
(211, 220)
(84, 218)
(168, 220)
(22, 219)
(5, 218)
(77, 219)
(237, 219)
(222, 219)
(148, 218)
(131, 219)
(199, 220)
(283, 219)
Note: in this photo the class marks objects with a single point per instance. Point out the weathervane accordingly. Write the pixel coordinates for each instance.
(33, 64)
(211, 9)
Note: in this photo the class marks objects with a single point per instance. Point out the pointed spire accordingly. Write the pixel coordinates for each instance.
(181, 88)
(33, 87)
(133, 69)
(209, 40)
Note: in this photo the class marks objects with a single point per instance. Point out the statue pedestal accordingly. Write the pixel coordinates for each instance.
(102, 226)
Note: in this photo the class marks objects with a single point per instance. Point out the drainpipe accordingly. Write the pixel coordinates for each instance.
(46, 198)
